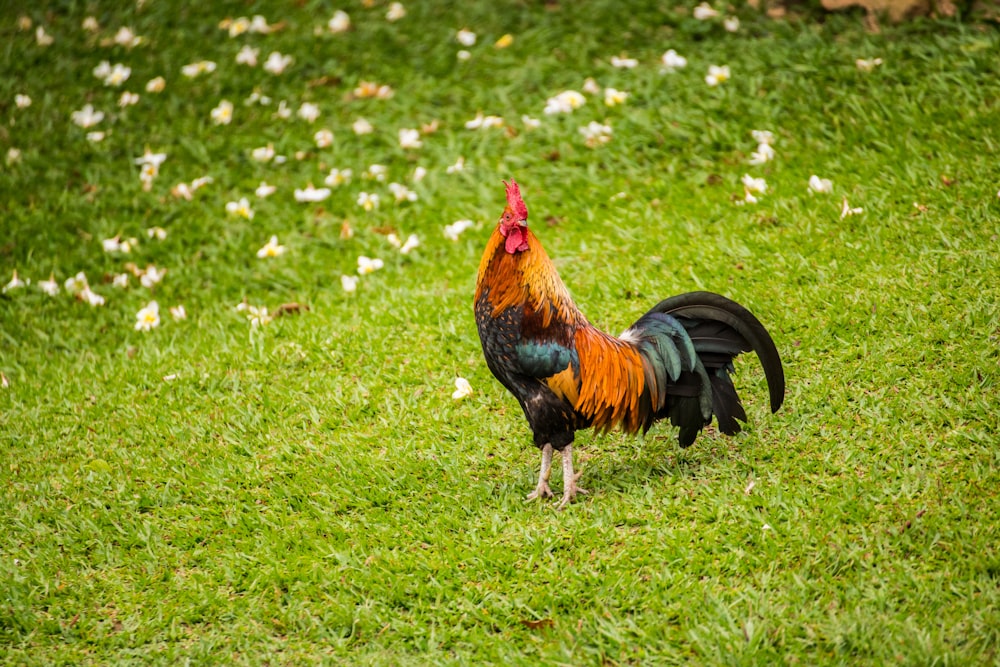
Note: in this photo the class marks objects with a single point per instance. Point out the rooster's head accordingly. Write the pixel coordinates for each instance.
(514, 221)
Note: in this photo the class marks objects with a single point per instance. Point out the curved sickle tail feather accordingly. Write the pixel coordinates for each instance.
(702, 312)
(717, 330)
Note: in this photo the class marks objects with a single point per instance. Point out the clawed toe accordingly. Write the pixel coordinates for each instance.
(541, 491)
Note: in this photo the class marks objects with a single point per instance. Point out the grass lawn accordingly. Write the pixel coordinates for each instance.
(296, 486)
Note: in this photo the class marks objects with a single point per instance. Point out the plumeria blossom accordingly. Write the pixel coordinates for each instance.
(452, 231)
(717, 75)
(340, 22)
(247, 56)
(22, 101)
(156, 85)
(821, 185)
(846, 210)
(15, 283)
(87, 116)
(409, 138)
(264, 190)
(256, 97)
(283, 112)
(752, 184)
(198, 68)
(349, 283)
(613, 97)
(223, 113)
(465, 37)
(128, 99)
(150, 276)
(158, 233)
(271, 249)
(90, 24)
(595, 134)
(178, 312)
(75, 284)
(672, 61)
(277, 63)
(418, 174)
(323, 138)
(368, 265)
(149, 167)
(240, 208)
(308, 112)
(13, 156)
(338, 177)
(362, 126)
(42, 38)
(95, 137)
(367, 89)
(311, 194)
(263, 153)
(367, 201)
(462, 54)
(148, 317)
(867, 65)
(120, 281)
(412, 241)
(396, 12)
(125, 37)
(623, 63)
(763, 154)
(762, 136)
(591, 87)
(402, 193)
(50, 286)
(731, 23)
(564, 102)
(376, 171)
(704, 12)
(236, 27)
(116, 244)
(90, 297)
(457, 167)
(462, 389)
(530, 123)
(257, 315)
(481, 121)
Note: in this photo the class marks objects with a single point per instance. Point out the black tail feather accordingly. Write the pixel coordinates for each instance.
(720, 329)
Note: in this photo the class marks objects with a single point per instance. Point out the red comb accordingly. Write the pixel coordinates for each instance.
(514, 200)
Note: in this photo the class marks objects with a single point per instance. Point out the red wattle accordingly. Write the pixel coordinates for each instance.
(516, 240)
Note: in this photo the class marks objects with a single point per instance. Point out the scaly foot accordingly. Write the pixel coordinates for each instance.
(541, 491)
(570, 489)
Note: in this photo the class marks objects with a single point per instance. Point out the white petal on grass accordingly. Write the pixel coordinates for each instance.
(623, 63)
(271, 249)
(247, 56)
(223, 113)
(821, 185)
(87, 116)
(671, 61)
(323, 138)
(409, 138)
(462, 389)
(50, 286)
(465, 37)
(349, 283)
(240, 208)
(338, 177)
(717, 74)
(362, 126)
(367, 201)
(277, 63)
(15, 283)
(368, 265)
(396, 12)
(311, 194)
(704, 12)
(340, 22)
(452, 231)
(148, 317)
(412, 241)
(264, 190)
(308, 112)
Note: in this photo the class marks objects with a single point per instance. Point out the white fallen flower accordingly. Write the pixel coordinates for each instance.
(462, 389)
(672, 61)
(368, 265)
(271, 249)
(340, 22)
(452, 231)
(311, 194)
(409, 138)
(349, 283)
(148, 317)
(704, 12)
(817, 184)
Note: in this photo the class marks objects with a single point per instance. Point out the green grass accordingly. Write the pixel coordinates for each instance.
(308, 490)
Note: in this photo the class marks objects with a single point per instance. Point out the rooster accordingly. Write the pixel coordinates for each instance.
(673, 363)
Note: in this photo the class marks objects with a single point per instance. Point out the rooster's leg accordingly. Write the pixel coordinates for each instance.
(543, 490)
(570, 489)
